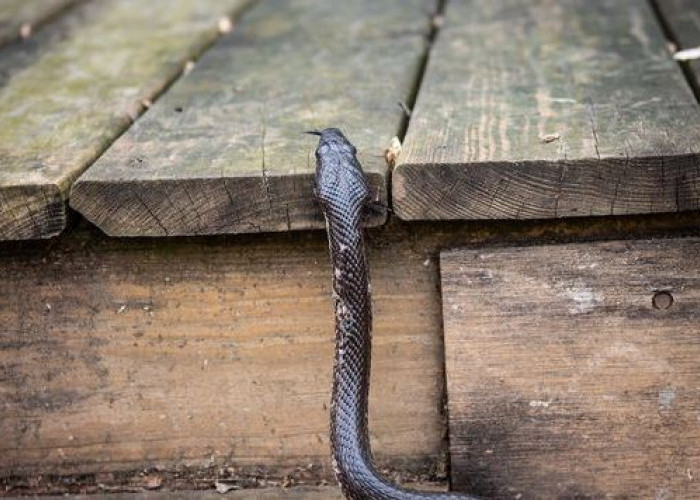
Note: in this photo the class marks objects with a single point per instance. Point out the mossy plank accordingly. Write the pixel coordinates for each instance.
(682, 17)
(69, 91)
(19, 18)
(572, 370)
(225, 152)
(550, 109)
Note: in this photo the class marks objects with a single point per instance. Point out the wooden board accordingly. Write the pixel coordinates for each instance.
(682, 19)
(60, 366)
(300, 493)
(68, 92)
(224, 151)
(123, 355)
(572, 370)
(21, 18)
(549, 109)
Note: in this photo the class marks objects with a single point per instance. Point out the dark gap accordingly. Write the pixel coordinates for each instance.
(422, 64)
(671, 36)
(17, 38)
(444, 397)
(436, 18)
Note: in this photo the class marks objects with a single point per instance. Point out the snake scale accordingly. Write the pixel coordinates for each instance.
(342, 191)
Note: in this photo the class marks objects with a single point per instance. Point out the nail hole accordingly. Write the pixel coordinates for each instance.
(179, 109)
(662, 300)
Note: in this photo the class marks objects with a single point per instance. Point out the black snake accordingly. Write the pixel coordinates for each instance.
(342, 191)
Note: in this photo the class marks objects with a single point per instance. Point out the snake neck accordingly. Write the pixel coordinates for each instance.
(342, 190)
(352, 458)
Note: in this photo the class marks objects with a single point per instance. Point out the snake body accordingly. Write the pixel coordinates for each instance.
(343, 193)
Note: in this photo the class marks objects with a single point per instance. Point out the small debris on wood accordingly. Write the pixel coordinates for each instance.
(222, 487)
(225, 25)
(25, 31)
(547, 138)
(392, 152)
(152, 481)
(188, 67)
(121, 309)
(687, 54)
(405, 109)
(438, 21)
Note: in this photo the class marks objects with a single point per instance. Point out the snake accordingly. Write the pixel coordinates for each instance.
(342, 191)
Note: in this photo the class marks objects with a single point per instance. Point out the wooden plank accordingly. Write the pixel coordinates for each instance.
(53, 383)
(68, 92)
(120, 355)
(572, 370)
(224, 150)
(20, 18)
(302, 492)
(682, 17)
(549, 109)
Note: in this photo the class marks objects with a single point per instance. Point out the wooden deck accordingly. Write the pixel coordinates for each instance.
(539, 166)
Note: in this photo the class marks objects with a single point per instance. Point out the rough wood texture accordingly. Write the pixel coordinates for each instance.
(224, 150)
(68, 92)
(120, 355)
(19, 18)
(564, 379)
(297, 493)
(549, 109)
(682, 17)
(53, 383)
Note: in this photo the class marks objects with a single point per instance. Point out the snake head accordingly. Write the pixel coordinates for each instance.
(339, 176)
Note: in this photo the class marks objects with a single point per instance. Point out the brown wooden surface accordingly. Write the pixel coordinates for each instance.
(118, 355)
(69, 91)
(682, 18)
(296, 493)
(106, 376)
(21, 18)
(564, 379)
(549, 109)
(224, 151)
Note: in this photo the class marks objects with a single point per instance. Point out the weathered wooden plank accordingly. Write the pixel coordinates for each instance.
(68, 92)
(19, 18)
(572, 370)
(682, 18)
(224, 150)
(549, 109)
(301, 492)
(124, 355)
(86, 280)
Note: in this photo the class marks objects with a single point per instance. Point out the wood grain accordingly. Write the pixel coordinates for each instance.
(61, 366)
(567, 376)
(68, 92)
(297, 493)
(224, 150)
(549, 109)
(682, 18)
(20, 18)
(123, 355)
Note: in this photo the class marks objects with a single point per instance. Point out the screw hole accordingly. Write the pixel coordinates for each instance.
(178, 109)
(662, 300)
